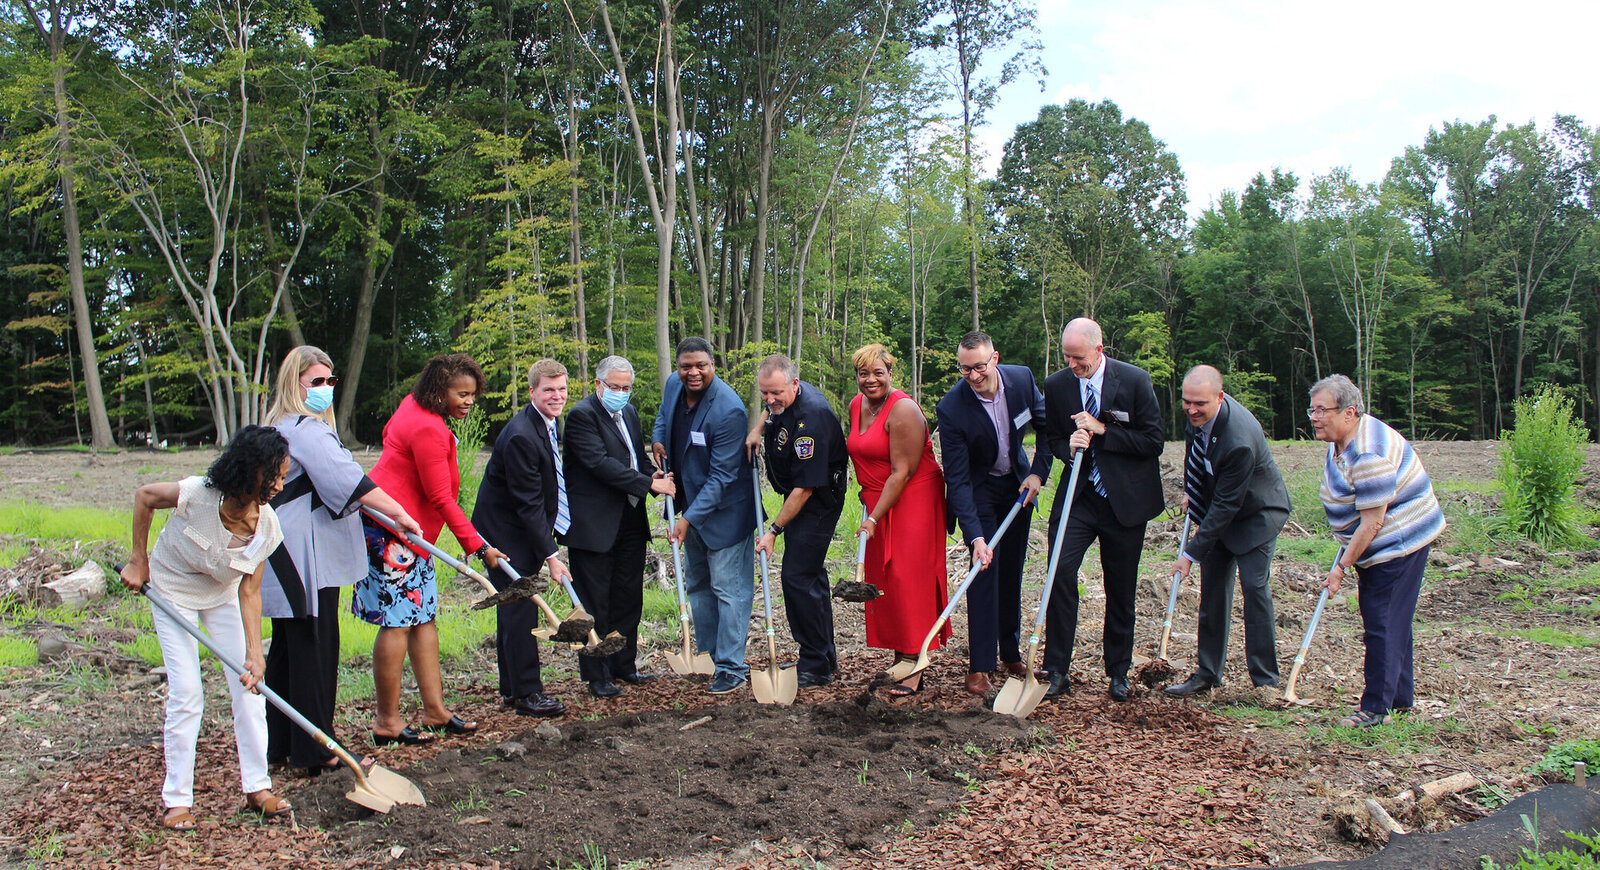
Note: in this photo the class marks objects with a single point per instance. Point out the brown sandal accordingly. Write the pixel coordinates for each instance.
(178, 819)
(268, 806)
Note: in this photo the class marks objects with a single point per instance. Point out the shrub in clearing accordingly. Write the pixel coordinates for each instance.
(1539, 463)
(1560, 759)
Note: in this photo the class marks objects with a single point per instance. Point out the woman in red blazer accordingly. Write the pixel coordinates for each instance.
(399, 594)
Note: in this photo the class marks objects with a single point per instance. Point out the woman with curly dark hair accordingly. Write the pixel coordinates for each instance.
(207, 563)
(399, 593)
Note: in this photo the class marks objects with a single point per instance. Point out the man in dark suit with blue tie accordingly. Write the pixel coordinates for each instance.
(1107, 408)
(609, 476)
(700, 431)
(521, 507)
(1236, 498)
(982, 421)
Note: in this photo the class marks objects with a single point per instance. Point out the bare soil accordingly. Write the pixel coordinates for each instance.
(1236, 778)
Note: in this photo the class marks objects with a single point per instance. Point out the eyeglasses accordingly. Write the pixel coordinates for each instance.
(1318, 411)
(616, 389)
(980, 369)
(331, 380)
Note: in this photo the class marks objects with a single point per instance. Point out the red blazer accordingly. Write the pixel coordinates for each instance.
(418, 468)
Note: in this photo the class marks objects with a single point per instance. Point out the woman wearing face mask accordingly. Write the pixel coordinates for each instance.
(609, 476)
(322, 551)
(399, 592)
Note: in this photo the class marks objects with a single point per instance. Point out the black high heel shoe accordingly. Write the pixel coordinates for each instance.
(456, 725)
(408, 736)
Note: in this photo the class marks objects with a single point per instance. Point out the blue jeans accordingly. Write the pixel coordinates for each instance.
(721, 589)
(1388, 595)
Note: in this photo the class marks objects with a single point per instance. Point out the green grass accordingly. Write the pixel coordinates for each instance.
(18, 651)
(1406, 735)
(1258, 715)
(1553, 636)
(147, 648)
(29, 519)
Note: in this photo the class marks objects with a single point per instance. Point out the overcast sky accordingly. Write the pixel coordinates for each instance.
(1235, 88)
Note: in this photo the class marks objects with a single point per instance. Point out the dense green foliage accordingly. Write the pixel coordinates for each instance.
(190, 189)
(1540, 461)
(1561, 758)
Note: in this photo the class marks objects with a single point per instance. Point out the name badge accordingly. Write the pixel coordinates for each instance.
(253, 549)
(1022, 418)
(1120, 416)
(697, 439)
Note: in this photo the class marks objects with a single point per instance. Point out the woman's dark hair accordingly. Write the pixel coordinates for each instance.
(247, 469)
(438, 374)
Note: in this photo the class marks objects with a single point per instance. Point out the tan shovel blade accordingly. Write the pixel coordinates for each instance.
(542, 633)
(775, 686)
(1140, 660)
(905, 670)
(381, 788)
(704, 665)
(1019, 697)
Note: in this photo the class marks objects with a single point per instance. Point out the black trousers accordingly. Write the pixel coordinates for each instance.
(1254, 569)
(611, 584)
(1120, 547)
(516, 649)
(994, 600)
(806, 595)
(303, 667)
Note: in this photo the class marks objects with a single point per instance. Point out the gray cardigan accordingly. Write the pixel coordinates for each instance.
(322, 538)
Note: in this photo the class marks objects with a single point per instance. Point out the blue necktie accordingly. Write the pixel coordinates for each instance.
(1093, 407)
(563, 513)
(1195, 476)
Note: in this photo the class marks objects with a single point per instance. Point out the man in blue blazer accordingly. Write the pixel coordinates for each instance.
(982, 421)
(699, 436)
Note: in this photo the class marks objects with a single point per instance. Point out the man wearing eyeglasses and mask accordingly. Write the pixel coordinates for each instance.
(609, 476)
(982, 421)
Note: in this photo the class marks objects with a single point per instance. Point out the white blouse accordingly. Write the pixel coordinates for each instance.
(192, 563)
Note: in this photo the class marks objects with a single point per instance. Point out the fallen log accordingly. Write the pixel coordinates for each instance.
(75, 590)
(1456, 782)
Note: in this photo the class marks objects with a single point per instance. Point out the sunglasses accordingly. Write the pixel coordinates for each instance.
(331, 380)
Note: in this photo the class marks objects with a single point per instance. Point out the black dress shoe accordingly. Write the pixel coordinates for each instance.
(537, 704)
(1060, 684)
(604, 689)
(1192, 686)
(636, 678)
(810, 680)
(1119, 688)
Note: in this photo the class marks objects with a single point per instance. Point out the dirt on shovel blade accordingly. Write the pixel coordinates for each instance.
(520, 589)
(851, 590)
(574, 629)
(1156, 672)
(612, 644)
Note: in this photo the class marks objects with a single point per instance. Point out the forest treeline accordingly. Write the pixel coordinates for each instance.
(192, 187)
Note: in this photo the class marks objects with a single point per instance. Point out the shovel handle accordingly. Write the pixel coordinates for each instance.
(233, 665)
(441, 555)
(1061, 534)
(861, 557)
(1311, 629)
(1172, 597)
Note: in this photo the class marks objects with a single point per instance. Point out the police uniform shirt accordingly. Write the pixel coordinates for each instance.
(805, 448)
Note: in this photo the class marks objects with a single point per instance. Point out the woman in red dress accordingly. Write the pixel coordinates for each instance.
(902, 491)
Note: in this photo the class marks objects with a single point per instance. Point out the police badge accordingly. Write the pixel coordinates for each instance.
(805, 448)
(783, 437)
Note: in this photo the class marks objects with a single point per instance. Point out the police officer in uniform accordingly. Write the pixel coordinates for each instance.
(806, 462)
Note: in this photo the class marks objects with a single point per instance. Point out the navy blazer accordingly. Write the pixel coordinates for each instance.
(1249, 503)
(1129, 453)
(599, 478)
(517, 500)
(968, 445)
(715, 479)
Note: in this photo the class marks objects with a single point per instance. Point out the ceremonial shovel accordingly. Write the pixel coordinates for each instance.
(774, 685)
(858, 589)
(686, 662)
(1300, 657)
(904, 670)
(1019, 697)
(519, 588)
(377, 788)
(1172, 598)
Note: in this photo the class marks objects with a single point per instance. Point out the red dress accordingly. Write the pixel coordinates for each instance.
(905, 556)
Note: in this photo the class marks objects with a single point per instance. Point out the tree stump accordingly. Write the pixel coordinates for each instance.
(75, 590)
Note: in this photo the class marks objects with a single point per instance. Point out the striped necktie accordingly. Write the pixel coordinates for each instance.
(563, 513)
(1195, 476)
(1093, 407)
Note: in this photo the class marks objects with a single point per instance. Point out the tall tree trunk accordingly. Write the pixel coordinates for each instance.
(361, 330)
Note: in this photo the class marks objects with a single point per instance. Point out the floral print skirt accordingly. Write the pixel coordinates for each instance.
(400, 589)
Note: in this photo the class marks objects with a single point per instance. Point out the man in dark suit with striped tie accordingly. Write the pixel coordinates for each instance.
(1237, 504)
(1108, 409)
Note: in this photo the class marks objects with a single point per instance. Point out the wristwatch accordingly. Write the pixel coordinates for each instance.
(776, 530)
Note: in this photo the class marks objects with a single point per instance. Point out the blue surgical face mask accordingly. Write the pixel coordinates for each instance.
(613, 400)
(319, 399)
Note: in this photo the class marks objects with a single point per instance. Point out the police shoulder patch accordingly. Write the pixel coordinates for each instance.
(805, 448)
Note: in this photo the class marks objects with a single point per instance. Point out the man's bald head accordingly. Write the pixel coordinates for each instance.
(1202, 394)
(1082, 344)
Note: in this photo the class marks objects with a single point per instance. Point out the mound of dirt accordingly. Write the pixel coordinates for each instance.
(671, 782)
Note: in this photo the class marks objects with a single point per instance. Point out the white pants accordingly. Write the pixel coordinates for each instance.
(186, 701)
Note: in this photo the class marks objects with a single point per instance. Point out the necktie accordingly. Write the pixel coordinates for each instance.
(563, 513)
(633, 458)
(1195, 476)
(1093, 407)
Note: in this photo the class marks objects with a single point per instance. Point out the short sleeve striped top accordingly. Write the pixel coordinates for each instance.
(1379, 468)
